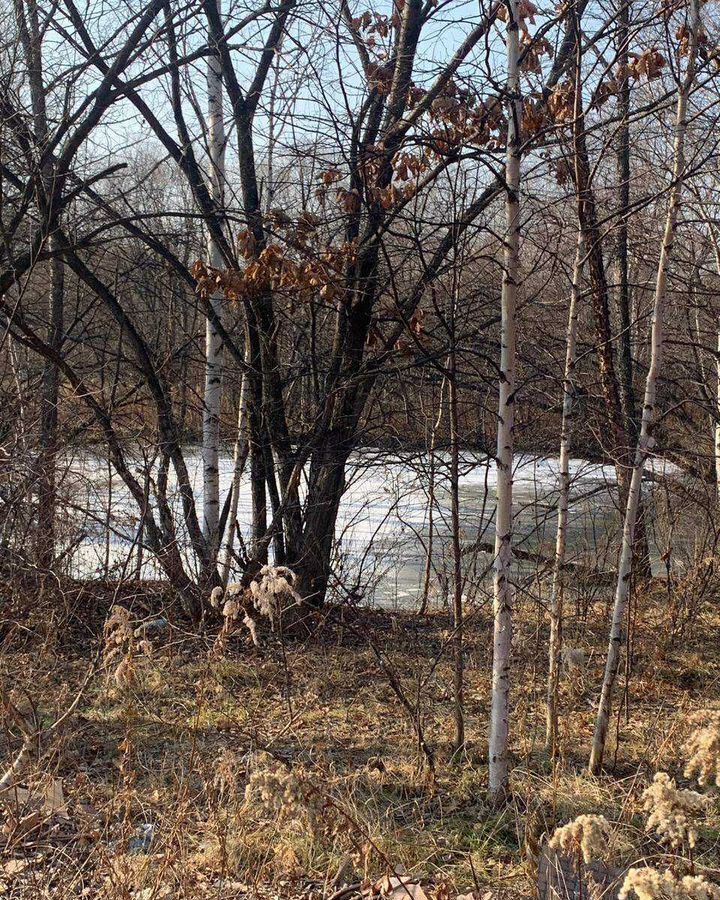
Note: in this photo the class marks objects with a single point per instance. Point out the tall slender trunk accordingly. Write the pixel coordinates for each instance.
(503, 589)
(557, 598)
(213, 341)
(240, 454)
(645, 439)
(458, 675)
(716, 247)
(50, 400)
(431, 503)
(625, 363)
(717, 414)
(26, 14)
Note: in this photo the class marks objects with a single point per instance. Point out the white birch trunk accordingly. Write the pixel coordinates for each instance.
(557, 598)
(213, 341)
(717, 414)
(716, 247)
(503, 589)
(645, 440)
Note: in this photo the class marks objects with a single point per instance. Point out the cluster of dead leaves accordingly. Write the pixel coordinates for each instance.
(406, 168)
(275, 269)
(670, 7)
(562, 170)
(647, 65)
(683, 36)
(380, 77)
(27, 810)
(526, 12)
(280, 220)
(533, 50)
(462, 118)
(561, 103)
(400, 885)
(376, 338)
(371, 23)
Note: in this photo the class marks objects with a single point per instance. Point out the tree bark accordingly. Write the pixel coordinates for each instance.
(645, 440)
(26, 15)
(502, 587)
(213, 340)
(557, 597)
(240, 453)
(458, 673)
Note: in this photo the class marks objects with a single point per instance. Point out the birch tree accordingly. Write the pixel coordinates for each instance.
(557, 597)
(715, 241)
(502, 586)
(213, 339)
(645, 439)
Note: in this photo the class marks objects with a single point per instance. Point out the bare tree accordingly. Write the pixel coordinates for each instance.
(503, 588)
(645, 440)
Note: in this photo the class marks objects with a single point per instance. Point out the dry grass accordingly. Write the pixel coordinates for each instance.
(176, 746)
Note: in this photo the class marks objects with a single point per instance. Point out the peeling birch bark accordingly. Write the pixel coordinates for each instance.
(213, 341)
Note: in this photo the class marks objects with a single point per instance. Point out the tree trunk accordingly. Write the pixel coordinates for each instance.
(625, 363)
(50, 399)
(325, 488)
(213, 340)
(431, 504)
(26, 14)
(458, 674)
(557, 598)
(645, 439)
(641, 547)
(240, 454)
(503, 589)
(717, 416)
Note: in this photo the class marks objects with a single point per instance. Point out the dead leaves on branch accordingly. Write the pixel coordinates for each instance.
(274, 269)
(462, 118)
(533, 50)
(683, 36)
(561, 103)
(526, 12)
(645, 66)
(415, 326)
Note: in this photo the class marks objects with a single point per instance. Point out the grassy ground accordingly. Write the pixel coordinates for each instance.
(338, 791)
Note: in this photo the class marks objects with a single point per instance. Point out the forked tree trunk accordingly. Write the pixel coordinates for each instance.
(213, 341)
(502, 587)
(557, 597)
(645, 439)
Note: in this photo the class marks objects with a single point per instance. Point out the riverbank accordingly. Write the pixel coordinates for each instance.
(145, 786)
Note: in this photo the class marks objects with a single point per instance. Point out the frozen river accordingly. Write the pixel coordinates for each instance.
(383, 530)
